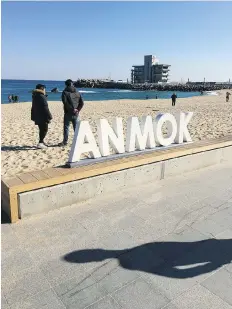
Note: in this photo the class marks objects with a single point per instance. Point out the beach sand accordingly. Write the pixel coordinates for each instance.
(212, 119)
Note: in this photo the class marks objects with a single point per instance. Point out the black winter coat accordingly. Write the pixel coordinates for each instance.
(40, 112)
(71, 99)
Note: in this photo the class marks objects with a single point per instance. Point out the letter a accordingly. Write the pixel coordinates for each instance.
(83, 141)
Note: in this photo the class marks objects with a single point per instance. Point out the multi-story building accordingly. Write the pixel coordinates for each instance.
(150, 72)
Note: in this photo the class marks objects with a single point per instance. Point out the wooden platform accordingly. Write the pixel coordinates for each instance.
(11, 187)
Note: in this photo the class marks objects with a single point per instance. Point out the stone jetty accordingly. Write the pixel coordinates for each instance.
(188, 87)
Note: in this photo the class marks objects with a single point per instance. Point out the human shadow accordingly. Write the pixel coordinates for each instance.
(169, 259)
(17, 148)
(20, 148)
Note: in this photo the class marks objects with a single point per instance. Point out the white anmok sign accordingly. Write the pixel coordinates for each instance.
(146, 134)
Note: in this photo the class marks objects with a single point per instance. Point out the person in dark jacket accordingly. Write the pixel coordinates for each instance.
(40, 113)
(9, 98)
(174, 97)
(73, 104)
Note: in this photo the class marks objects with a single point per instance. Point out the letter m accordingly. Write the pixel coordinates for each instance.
(139, 136)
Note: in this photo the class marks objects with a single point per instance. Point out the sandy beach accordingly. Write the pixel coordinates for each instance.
(212, 119)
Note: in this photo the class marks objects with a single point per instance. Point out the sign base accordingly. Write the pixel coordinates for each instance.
(91, 161)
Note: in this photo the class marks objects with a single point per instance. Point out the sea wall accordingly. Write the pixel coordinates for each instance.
(189, 87)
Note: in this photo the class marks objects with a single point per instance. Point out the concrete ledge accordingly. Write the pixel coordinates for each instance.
(42, 191)
(46, 199)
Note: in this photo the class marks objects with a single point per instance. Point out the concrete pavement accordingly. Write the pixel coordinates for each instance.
(165, 244)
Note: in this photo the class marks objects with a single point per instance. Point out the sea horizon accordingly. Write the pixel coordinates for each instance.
(22, 88)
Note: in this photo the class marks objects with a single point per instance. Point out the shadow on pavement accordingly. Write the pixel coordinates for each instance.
(169, 259)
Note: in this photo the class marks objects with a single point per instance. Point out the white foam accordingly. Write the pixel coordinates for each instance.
(86, 91)
(121, 91)
(210, 93)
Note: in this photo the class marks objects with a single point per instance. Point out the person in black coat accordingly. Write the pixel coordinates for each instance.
(174, 97)
(73, 104)
(40, 113)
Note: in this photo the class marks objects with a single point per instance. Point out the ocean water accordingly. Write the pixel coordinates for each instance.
(22, 89)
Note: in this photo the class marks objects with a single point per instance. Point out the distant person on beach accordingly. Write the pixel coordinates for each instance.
(14, 98)
(73, 104)
(9, 98)
(174, 97)
(40, 113)
(147, 97)
(156, 97)
(228, 96)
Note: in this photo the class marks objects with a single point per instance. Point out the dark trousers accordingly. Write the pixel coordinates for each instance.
(173, 102)
(43, 130)
(67, 119)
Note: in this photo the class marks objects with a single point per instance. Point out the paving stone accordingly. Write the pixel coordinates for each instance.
(116, 240)
(154, 228)
(25, 285)
(190, 216)
(9, 241)
(223, 218)
(45, 300)
(213, 201)
(89, 218)
(59, 270)
(140, 294)
(112, 276)
(4, 304)
(27, 229)
(105, 303)
(79, 294)
(6, 229)
(118, 205)
(198, 298)
(229, 267)
(129, 223)
(154, 209)
(209, 227)
(220, 284)
(169, 286)
(225, 235)
(41, 254)
(14, 261)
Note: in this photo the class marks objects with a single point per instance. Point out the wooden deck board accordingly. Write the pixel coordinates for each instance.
(11, 182)
(52, 172)
(27, 178)
(39, 175)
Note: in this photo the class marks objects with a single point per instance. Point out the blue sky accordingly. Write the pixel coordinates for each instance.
(59, 40)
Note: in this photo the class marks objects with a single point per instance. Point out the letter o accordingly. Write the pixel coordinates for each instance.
(172, 129)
